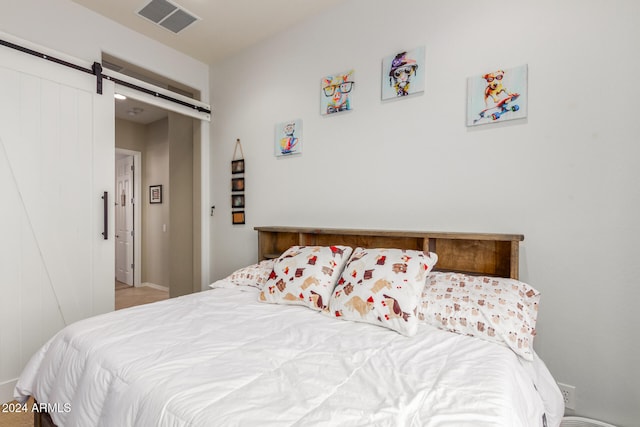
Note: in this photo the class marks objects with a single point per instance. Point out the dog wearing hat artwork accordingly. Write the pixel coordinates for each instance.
(402, 70)
(403, 74)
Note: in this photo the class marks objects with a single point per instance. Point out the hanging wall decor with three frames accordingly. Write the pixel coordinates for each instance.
(237, 185)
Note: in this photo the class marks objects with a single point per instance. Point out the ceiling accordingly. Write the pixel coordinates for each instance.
(138, 112)
(224, 27)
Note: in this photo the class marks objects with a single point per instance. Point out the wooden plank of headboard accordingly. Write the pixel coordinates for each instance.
(473, 253)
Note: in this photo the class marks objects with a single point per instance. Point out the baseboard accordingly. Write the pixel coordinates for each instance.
(6, 390)
(154, 286)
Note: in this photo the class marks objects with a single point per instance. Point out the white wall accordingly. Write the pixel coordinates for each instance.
(180, 205)
(156, 245)
(566, 177)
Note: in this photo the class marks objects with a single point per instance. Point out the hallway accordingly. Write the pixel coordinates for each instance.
(129, 296)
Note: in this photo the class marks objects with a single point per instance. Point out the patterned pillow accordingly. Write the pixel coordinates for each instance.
(305, 275)
(383, 287)
(491, 308)
(254, 276)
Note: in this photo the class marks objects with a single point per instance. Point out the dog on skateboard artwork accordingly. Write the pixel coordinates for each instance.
(498, 95)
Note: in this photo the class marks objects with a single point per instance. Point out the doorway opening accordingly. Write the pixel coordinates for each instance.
(169, 227)
(128, 217)
(160, 234)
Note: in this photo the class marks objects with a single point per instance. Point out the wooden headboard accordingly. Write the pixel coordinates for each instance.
(471, 253)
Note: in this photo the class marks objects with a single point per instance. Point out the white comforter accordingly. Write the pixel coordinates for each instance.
(220, 358)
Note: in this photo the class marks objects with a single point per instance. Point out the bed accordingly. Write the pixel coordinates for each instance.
(233, 355)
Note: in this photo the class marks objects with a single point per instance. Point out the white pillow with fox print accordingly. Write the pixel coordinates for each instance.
(383, 287)
(248, 278)
(494, 309)
(305, 275)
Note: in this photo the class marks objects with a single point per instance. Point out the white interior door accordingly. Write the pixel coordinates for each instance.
(56, 160)
(124, 220)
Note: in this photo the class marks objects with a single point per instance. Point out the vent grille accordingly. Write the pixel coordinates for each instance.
(168, 15)
(178, 21)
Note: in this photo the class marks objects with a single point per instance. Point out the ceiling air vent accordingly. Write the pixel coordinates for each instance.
(168, 15)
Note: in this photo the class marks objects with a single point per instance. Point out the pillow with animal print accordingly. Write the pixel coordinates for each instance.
(494, 309)
(305, 275)
(247, 278)
(383, 287)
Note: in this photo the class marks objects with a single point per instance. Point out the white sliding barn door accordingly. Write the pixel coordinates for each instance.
(56, 160)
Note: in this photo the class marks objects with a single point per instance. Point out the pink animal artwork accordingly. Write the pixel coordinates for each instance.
(336, 93)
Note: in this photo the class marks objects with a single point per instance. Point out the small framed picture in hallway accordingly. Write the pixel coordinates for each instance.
(155, 194)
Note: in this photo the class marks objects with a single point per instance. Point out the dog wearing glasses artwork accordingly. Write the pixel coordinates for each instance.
(403, 74)
(494, 86)
(498, 95)
(336, 93)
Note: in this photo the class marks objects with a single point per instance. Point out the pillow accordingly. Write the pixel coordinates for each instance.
(383, 287)
(305, 275)
(254, 276)
(495, 309)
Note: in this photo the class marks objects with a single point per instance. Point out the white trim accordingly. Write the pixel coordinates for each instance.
(6, 390)
(42, 49)
(157, 101)
(205, 206)
(154, 286)
(583, 422)
(137, 213)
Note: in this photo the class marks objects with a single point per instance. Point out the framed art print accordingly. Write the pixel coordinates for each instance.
(497, 96)
(237, 184)
(237, 201)
(288, 139)
(237, 217)
(155, 194)
(335, 93)
(403, 73)
(237, 166)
